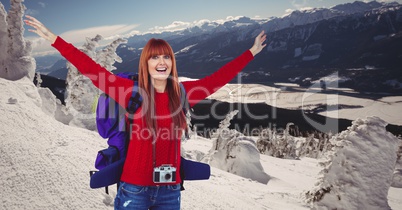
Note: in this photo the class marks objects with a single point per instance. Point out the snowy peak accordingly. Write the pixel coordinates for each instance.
(222, 25)
(357, 6)
(242, 21)
(303, 17)
(295, 18)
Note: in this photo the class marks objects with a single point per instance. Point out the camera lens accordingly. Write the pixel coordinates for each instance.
(168, 176)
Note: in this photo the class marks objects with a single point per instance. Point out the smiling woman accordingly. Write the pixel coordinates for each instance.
(161, 93)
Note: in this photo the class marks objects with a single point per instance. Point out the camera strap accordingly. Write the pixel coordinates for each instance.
(154, 151)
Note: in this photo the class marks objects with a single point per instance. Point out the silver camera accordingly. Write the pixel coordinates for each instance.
(164, 174)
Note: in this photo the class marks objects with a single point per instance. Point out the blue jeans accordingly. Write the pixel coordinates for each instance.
(150, 197)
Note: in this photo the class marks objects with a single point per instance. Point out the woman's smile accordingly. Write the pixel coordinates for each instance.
(161, 69)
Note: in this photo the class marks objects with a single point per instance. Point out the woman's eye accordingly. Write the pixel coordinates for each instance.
(154, 57)
(166, 57)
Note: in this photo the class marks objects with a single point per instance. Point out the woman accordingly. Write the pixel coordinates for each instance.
(158, 121)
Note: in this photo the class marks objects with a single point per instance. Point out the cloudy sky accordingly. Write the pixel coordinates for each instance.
(76, 19)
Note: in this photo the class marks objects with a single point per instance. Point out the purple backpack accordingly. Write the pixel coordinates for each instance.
(111, 123)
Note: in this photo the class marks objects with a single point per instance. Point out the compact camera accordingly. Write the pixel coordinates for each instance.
(164, 174)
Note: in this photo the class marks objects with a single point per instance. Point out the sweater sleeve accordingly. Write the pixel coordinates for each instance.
(200, 89)
(116, 87)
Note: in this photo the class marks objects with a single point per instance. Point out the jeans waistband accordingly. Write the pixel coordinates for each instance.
(154, 186)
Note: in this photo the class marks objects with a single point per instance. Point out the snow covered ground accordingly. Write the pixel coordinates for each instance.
(44, 164)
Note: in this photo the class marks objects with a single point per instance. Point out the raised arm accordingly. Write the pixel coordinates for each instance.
(117, 88)
(202, 88)
(40, 29)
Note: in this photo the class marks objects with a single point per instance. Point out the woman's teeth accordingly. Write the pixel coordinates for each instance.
(161, 69)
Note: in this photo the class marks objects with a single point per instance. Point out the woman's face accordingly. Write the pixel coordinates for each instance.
(159, 67)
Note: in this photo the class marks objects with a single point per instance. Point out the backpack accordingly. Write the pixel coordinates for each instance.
(113, 124)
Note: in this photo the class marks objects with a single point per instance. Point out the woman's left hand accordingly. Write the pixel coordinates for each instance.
(258, 43)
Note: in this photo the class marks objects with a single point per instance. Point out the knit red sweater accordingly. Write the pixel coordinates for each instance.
(138, 168)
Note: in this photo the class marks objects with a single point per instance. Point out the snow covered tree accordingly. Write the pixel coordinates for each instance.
(235, 153)
(223, 134)
(107, 57)
(265, 138)
(280, 145)
(16, 61)
(39, 80)
(358, 171)
(81, 93)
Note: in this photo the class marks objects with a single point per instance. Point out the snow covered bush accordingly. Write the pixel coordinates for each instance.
(283, 145)
(277, 145)
(315, 145)
(264, 142)
(358, 171)
(81, 93)
(39, 80)
(16, 61)
(235, 153)
(399, 154)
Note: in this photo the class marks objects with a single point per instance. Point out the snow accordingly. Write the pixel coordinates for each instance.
(394, 83)
(356, 168)
(298, 52)
(186, 49)
(45, 165)
(311, 57)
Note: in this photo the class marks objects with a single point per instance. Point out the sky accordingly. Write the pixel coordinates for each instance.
(76, 19)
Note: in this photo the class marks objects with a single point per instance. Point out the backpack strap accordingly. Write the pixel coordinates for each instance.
(184, 99)
(134, 103)
(135, 100)
(186, 108)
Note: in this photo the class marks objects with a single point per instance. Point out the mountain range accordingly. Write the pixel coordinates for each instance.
(361, 41)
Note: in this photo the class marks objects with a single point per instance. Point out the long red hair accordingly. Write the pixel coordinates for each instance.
(152, 48)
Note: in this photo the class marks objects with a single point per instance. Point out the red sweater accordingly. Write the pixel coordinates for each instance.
(138, 167)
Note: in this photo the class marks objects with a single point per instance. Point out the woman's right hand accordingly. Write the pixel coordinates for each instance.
(40, 29)
(258, 43)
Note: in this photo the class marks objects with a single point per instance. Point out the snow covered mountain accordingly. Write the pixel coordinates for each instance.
(304, 44)
(361, 41)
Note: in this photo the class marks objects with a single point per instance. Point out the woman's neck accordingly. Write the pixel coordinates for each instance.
(159, 85)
